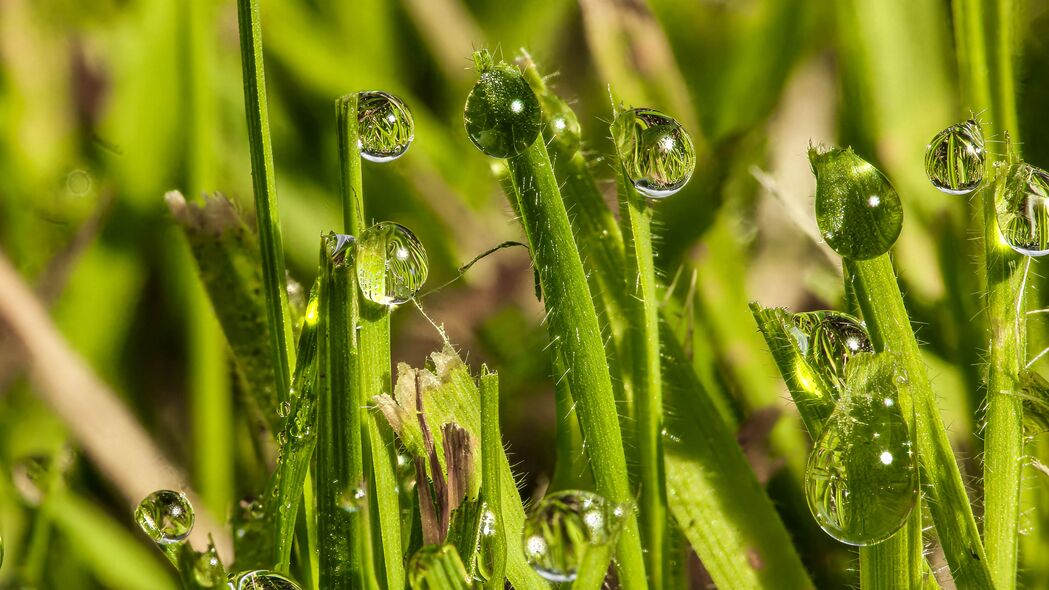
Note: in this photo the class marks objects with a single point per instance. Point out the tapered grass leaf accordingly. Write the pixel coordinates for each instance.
(227, 254)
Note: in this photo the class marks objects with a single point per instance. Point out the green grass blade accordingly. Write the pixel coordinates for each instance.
(984, 33)
(577, 337)
(227, 254)
(647, 373)
(298, 440)
(263, 175)
(372, 324)
(883, 309)
(340, 451)
(709, 464)
(491, 484)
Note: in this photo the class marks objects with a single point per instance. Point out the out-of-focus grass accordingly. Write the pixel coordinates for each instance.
(96, 113)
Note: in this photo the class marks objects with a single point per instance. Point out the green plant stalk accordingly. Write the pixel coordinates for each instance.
(647, 374)
(340, 452)
(265, 187)
(717, 502)
(713, 495)
(298, 441)
(577, 337)
(896, 562)
(886, 316)
(986, 65)
(210, 392)
(372, 323)
(571, 462)
(491, 488)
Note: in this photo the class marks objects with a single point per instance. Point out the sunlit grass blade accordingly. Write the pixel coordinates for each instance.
(263, 174)
(370, 322)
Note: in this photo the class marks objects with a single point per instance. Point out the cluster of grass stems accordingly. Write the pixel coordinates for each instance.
(636, 421)
(616, 356)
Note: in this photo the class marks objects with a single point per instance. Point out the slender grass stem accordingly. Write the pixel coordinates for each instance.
(896, 562)
(491, 488)
(985, 60)
(713, 495)
(298, 441)
(883, 309)
(371, 324)
(636, 218)
(574, 326)
(265, 186)
(340, 451)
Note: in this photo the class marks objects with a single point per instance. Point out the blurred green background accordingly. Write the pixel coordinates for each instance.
(107, 104)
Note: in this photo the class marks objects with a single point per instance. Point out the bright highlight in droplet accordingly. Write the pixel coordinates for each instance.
(516, 106)
(886, 458)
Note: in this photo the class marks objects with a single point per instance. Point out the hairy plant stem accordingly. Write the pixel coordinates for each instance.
(371, 325)
(896, 562)
(713, 494)
(340, 451)
(636, 219)
(265, 187)
(491, 488)
(298, 442)
(985, 42)
(577, 338)
(879, 297)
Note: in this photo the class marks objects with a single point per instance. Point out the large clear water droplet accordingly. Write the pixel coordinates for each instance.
(502, 113)
(486, 544)
(385, 126)
(827, 341)
(563, 526)
(1022, 204)
(656, 152)
(857, 209)
(391, 263)
(954, 159)
(434, 566)
(261, 580)
(207, 570)
(166, 516)
(861, 480)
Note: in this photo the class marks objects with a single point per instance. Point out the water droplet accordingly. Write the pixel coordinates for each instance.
(79, 182)
(261, 580)
(1022, 204)
(656, 152)
(502, 113)
(166, 516)
(284, 409)
(861, 480)
(486, 544)
(954, 159)
(391, 263)
(857, 209)
(439, 563)
(208, 570)
(353, 500)
(562, 526)
(828, 339)
(385, 126)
